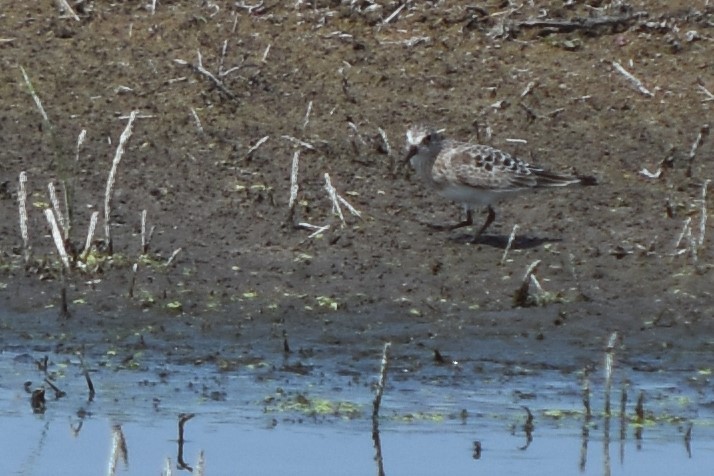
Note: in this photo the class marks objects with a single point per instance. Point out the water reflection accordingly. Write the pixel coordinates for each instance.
(475, 428)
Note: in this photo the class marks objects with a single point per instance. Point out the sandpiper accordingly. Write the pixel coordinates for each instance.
(474, 174)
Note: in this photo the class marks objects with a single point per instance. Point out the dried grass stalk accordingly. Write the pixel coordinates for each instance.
(22, 205)
(57, 237)
(112, 177)
(293, 179)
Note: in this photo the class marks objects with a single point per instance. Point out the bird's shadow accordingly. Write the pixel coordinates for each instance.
(521, 242)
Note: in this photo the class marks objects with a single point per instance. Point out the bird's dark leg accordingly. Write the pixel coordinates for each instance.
(489, 219)
(467, 222)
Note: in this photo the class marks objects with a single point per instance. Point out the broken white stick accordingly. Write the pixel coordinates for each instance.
(260, 142)
(293, 179)
(22, 204)
(125, 135)
(509, 244)
(632, 79)
(80, 140)
(90, 235)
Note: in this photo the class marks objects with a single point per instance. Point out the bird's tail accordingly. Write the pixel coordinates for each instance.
(549, 179)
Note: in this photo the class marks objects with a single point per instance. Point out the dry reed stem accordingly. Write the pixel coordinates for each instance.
(22, 205)
(197, 121)
(293, 179)
(58, 211)
(80, 140)
(609, 361)
(703, 213)
(34, 95)
(511, 237)
(306, 121)
(90, 235)
(57, 237)
(125, 135)
(118, 450)
(337, 199)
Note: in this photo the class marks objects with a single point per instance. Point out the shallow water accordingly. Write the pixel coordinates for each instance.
(303, 414)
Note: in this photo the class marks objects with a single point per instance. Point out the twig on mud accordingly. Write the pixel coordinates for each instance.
(173, 256)
(394, 14)
(609, 360)
(293, 179)
(336, 199)
(197, 121)
(264, 59)
(201, 70)
(686, 230)
(90, 235)
(522, 296)
(632, 79)
(260, 142)
(703, 89)
(299, 142)
(529, 89)
(703, 133)
(376, 404)
(511, 237)
(318, 229)
(145, 238)
(80, 140)
(64, 5)
(125, 135)
(34, 95)
(306, 121)
(22, 205)
(703, 213)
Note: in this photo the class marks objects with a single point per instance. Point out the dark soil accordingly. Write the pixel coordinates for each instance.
(609, 254)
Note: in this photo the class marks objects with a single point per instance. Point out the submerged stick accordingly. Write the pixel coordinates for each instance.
(125, 135)
(376, 404)
(609, 359)
(183, 418)
(85, 372)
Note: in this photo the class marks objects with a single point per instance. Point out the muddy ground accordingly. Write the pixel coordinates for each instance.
(340, 85)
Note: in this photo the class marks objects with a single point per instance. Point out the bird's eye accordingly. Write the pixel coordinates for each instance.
(426, 140)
